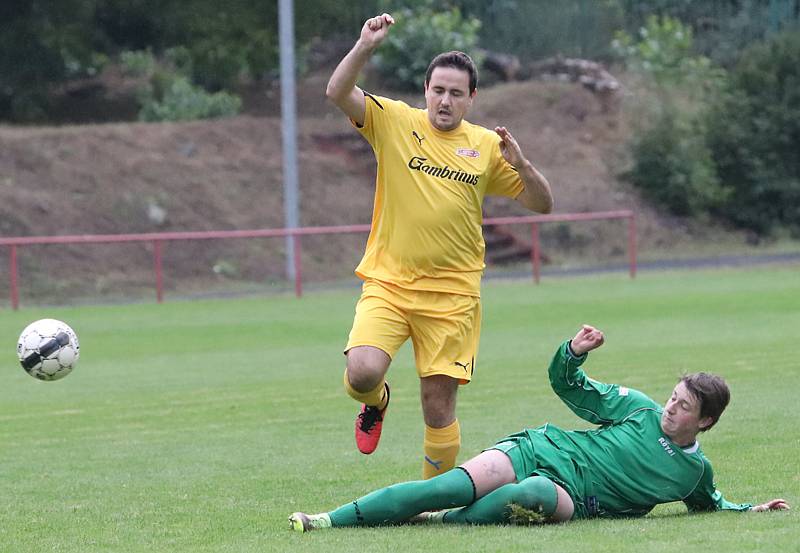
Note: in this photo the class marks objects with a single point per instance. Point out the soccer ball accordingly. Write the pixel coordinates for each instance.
(48, 349)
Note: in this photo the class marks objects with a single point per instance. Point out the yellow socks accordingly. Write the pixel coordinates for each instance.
(441, 447)
(376, 397)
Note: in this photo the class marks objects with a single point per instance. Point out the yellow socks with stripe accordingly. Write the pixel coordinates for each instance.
(376, 397)
(441, 447)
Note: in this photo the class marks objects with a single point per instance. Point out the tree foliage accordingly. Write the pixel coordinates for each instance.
(674, 167)
(722, 28)
(672, 164)
(42, 41)
(662, 49)
(45, 42)
(754, 135)
(183, 101)
(536, 29)
(418, 36)
(718, 143)
(168, 94)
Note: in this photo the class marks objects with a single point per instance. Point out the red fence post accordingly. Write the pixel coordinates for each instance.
(632, 244)
(12, 268)
(157, 262)
(298, 266)
(535, 253)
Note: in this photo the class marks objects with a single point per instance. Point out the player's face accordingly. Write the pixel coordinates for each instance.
(447, 97)
(681, 417)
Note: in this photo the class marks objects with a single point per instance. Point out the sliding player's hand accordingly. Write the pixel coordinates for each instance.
(774, 505)
(587, 339)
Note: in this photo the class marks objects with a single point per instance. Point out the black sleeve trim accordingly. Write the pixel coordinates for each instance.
(371, 97)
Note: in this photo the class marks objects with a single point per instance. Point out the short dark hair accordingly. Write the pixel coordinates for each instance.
(456, 60)
(711, 391)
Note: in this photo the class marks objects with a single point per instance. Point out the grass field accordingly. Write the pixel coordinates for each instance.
(199, 426)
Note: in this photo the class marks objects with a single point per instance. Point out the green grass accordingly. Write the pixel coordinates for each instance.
(199, 426)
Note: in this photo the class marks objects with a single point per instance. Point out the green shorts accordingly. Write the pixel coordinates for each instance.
(513, 450)
(527, 461)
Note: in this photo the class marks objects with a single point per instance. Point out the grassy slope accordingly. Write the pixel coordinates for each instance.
(200, 426)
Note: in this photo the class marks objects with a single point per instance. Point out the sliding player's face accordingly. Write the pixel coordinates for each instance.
(681, 416)
(447, 97)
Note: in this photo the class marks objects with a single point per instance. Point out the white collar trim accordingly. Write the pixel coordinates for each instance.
(692, 448)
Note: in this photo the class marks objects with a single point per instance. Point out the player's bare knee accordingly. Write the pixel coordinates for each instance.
(366, 367)
(363, 381)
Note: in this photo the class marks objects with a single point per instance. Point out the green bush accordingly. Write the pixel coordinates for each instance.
(663, 51)
(672, 164)
(754, 135)
(137, 63)
(183, 101)
(674, 168)
(419, 35)
(169, 94)
(663, 48)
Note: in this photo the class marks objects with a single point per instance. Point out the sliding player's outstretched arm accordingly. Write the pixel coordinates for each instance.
(706, 497)
(593, 401)
(771, 505)
(342, 89)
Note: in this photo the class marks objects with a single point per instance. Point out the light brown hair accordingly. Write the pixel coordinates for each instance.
(711, 391)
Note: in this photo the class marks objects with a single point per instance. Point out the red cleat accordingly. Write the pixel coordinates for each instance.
(369, 423)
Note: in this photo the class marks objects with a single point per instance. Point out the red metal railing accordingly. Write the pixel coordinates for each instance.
(158, 238)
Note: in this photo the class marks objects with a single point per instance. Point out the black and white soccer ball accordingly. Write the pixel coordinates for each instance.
(48, 349)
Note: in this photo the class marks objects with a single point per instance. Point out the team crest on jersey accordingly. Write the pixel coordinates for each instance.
(467, 152)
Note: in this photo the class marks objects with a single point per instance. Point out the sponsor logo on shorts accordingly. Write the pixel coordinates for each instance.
(464, 366)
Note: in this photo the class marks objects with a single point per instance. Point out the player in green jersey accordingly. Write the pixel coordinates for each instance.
(641, 455)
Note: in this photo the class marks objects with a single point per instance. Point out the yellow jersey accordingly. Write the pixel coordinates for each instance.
(426, 221)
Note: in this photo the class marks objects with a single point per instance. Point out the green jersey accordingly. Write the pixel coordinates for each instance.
(626, 466)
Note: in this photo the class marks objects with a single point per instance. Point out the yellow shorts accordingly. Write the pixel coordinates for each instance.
(444, 328)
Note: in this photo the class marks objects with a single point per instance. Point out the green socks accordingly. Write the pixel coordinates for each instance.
(399, 502)
(531, 501)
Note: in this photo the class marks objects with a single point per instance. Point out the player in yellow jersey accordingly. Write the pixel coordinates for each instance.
(424, 255)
